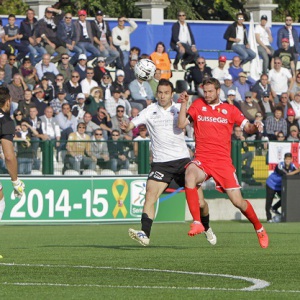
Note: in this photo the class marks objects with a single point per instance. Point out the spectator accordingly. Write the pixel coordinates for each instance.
(296, 106)
(25, 104)
(84, 37)
(103, 119)
(112, 103)
(242, 85)
(39, 100)
(72, 87)
(295, 87)
(11, 63)
(162, 60)
(103, 38)
(46, 68)
(235, 68)
(279, 78)
(7, 70)
(228, 85)
(142, 136)
(59, 84)
(275, 124)
(100, 69)
(231, 99)
(78, 109)
(81, 66)
(286, 54)
(236, 36)
(249, 107)
(134, 113)
(88, 83)
(290, 32)
(264, 39)
(220, 72)
(290, 120)
(117, 153)
(120, 82)
(18, 117)
(16, 91)
(196, 73)
(155, 80)
(99, 149)
(94, 100)
(29, 73)
(284, 104)
(65, 67)
(280, 137)
(183, 42)
(141, 92)
(121, 38)
(66, 31)
(2, 75)
(120, 118)
(13, 37)
(90, 125)
(106, 86)
(260, 87)
(293, 134)
(47, 29)
(58, 102)
(129, 69)
(266, 105)
(33, 43)
(79, 155)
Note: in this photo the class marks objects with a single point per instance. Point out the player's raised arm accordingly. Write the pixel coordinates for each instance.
(258, 126)
(182, 120)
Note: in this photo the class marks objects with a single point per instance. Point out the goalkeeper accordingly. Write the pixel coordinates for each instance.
(7, 131)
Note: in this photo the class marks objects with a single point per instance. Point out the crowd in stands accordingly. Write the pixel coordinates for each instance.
(59, 73)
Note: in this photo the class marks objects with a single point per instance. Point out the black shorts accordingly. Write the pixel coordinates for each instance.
(166, 171)
(7, 127)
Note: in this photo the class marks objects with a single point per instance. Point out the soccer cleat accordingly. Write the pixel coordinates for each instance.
(139, 236)
(210, 236)
(263, 238)
(275, 211)
(196, 228)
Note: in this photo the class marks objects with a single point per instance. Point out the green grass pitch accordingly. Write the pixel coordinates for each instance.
(102, 262)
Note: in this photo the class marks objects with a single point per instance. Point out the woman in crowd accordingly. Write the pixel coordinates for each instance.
(94, 100)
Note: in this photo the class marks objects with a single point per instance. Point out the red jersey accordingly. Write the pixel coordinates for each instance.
(213, 128)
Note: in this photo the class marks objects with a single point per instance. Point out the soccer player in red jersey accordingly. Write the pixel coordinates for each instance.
(213, 124)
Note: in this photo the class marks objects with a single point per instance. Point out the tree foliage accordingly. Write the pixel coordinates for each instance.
(286, 8)
(17, 7)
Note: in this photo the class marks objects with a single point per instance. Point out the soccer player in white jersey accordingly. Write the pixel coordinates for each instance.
(170, 156)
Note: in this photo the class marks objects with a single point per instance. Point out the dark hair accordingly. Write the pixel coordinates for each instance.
(165, 82)
(4, 96)
(80, 123)
(137, 49)
(120, 106)
(215, 82)
(160, 44)
(11, 16)
(288, 154)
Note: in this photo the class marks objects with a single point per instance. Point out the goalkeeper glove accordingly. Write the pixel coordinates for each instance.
(19, 188)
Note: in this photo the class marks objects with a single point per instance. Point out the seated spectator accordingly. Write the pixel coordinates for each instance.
(280, 137)
(237, 41)
(228, 85)
(94, 100)
(249, 107)
(99, 149)
(46, 68)
(79, 155)
(290, 119)
(39, 101)
(116, 100)
(103, 119)
(296, 106)
(235, 68)
(134, 113)
(280, 78)
(154, 81)
(26, 152)
(88, 83)
(242, 85)
(275, 124)
(196, 73)
(117, 152)
(106, 86)
(90, 125)
(12, 64)
(50, 127)
(57, 103)
(65, 68)
(284, 104)
(231, 99)
(260, 87)
(73, 87)
(162, 60)
(28, 71)
(48, 89)
(78, 109)
(293, 134)
(18, 117)
(129, 69)
(81, 66)
(25, 104)
(141, 92)
(100, 69)
(120, 118)
(7, 70)
(295, 87)
(266, 105)
(2, 75)
(142, 136)
(58, 84)
(220, 72)
(119, 82)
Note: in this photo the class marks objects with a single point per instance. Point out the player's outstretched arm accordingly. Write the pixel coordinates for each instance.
(182, 120)
(125, 126)
(258, 126)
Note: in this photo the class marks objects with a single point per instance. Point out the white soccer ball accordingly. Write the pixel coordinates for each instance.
(144, 69)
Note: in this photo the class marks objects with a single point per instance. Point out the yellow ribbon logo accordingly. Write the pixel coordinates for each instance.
(120, 198)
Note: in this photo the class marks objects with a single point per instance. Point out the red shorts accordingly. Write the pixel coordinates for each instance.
(223, 174)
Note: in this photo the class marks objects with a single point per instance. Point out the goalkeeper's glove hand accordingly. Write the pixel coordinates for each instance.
(19, 188)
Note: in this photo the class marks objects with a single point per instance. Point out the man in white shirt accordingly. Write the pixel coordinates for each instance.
(114, 101)
(121, 37)
(263, 36)
(220, 72)
(170, 156)
(45, 66)
(88, 83)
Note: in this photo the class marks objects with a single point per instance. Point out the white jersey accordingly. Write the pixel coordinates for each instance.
(167, 140)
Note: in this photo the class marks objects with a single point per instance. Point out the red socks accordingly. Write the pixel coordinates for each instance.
(250, 214)
(193, 202)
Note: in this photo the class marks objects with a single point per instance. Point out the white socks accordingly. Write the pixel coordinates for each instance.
(2, 207)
